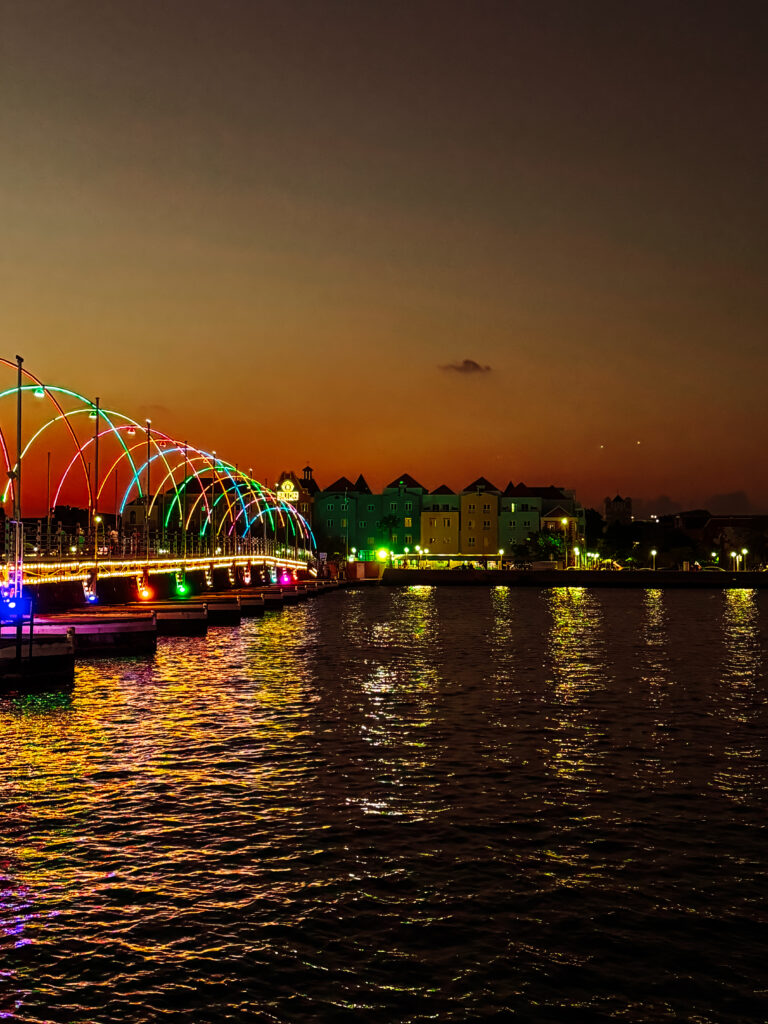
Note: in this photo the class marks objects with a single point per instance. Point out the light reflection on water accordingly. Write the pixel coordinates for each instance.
(399, 804)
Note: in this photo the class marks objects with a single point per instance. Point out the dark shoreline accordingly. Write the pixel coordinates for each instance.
(625, 579)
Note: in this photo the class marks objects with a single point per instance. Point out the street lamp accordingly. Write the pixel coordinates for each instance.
(654, 552)
(745, 553)
(501, 558)
(564, 523)
(735, 557)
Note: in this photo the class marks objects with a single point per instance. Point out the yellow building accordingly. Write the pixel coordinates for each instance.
(479, 532)
(440, 531)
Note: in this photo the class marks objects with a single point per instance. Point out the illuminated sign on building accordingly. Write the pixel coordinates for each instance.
(288, 491)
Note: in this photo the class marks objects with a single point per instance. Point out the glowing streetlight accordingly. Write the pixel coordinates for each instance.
(735, 559)
(745, 553)
(654, 552)
(564, 523)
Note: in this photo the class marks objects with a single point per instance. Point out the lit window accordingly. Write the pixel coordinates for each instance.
(471, 524)
(342, 522)
(408, 521)
(446, 522)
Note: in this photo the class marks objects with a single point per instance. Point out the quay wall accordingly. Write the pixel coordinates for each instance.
(635, 579)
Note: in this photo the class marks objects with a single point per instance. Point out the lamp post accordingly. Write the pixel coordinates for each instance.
(564, 523)
(734, 561)
(96, 521)
(577, 557)
(745, 553)
(653, 556)
(146, 496)
(501, 558)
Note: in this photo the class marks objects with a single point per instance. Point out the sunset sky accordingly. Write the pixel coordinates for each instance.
(510, 239)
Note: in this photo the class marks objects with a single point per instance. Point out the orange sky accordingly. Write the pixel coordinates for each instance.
(271, 226)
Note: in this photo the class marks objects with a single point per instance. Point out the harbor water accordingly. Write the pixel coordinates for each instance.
(399, 805)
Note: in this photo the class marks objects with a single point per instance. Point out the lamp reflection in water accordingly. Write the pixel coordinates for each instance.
(577, 655)
(399, 682)
(740, 698)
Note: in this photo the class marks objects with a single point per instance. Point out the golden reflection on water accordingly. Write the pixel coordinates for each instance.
(739, 696)
(577, 655)
(400, 682)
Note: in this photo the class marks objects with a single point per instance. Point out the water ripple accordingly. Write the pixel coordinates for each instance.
(409, 805)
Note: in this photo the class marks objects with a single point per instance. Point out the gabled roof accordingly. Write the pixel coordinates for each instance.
(342, 484)
(361, 485)
(481, 484)
(522, 490)
(558, 512)
(442, 489)
(405, 480)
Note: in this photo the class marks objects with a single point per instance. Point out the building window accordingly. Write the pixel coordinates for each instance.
(304, 507)
(471, 524)
(371, 541)
(432, 540)
(344, 506)
(471, 541)
(446, 522)
(487, 507)
(486, 524)
(470, 508)
(526, 522)
(512, 507)
(408, 539)
(330, 522)
(370, 508)
(409, 506)
(445, 508)
(362, 524)
(523, 507)
(408, 521)
(342, 523)
(330, 507)
(393, 506)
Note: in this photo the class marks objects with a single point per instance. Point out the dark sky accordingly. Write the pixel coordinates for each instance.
(277, 226)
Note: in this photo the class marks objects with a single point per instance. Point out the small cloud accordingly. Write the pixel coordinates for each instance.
(466, 366)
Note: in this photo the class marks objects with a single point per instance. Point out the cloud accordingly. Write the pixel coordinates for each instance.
(466, 366)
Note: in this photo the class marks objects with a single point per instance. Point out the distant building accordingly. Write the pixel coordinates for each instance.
(401, 504)
(440, 521)
(299, 491)
(618, 510)
(479, 526)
